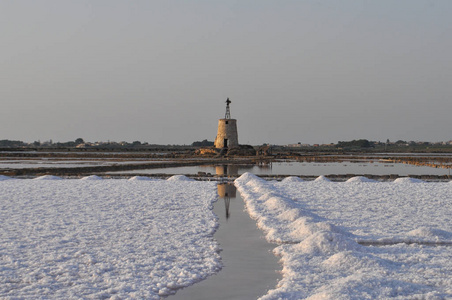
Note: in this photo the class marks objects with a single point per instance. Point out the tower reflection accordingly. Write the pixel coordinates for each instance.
(227, 170)
(227, 191)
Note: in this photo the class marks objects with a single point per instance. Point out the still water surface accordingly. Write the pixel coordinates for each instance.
(303, 168)
(250, 268)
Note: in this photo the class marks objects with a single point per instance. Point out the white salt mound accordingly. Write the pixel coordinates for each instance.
(3, 177)
(408, 180)
(325, 242)
(134, 178)
(92, 177)
(322, 179)
(248, 177)
(426, 232)
(48, 177)
(292, 179)
(179, 178)
(360, 179)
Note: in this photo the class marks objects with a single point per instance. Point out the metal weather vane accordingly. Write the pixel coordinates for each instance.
(228, 111)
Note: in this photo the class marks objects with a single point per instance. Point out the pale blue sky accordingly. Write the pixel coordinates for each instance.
(160, 71)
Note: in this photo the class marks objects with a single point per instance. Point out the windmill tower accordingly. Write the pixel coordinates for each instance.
(227, 130)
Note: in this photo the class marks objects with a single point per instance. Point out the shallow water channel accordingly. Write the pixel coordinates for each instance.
(301, 168)
(249, 267)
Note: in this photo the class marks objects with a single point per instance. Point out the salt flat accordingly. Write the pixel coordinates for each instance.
(356, 239)
(143, 238)
(72, 239)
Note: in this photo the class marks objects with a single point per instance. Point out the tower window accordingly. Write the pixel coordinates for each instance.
(226, 122)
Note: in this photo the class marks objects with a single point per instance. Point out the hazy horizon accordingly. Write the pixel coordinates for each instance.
(52, 141)
(160, 71)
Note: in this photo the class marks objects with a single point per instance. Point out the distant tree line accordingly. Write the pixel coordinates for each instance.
(204, 143)
(9, 143)
(79, 142)
(364, 144)
(355, 144)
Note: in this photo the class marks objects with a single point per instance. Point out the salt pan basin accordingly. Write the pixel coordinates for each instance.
(97, 239)
(357, 239)
(72, 239)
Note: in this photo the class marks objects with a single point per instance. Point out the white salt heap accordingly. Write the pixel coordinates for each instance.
(47, 177)
(143, 178)
(292, 179)
(91, 177)
(358, 179)
(179, 178)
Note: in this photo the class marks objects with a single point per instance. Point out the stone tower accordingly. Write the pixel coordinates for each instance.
(227, 131)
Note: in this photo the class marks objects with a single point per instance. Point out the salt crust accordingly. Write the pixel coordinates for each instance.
(115, 239)
(322, 228)
(318, 225)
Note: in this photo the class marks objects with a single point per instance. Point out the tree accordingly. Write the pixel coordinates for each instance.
(9, 143)
(79, 141)
(204, 143)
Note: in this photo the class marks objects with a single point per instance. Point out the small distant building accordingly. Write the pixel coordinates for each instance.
(227, 136)
(299, 145)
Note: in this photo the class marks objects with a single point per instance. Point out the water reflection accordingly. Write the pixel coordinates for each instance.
(226, 191)
(227, 170)
(234, 170)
